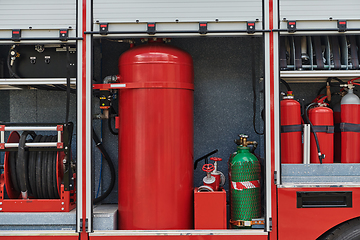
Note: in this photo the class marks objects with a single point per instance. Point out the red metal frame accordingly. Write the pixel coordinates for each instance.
(274, 233)
(65, 204)
(315, 221)
(185, 237)
(52, 236)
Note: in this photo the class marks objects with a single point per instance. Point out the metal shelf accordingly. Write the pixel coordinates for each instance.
(35, 81)
(318, 75)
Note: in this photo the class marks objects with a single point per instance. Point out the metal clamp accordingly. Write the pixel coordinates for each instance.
(243, 223)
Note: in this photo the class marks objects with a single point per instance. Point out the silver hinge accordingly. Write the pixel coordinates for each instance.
(86, 225)
(275, 177)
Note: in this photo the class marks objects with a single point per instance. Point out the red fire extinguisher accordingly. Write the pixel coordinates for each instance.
(350, 125)
(320, 117)
(291, 128)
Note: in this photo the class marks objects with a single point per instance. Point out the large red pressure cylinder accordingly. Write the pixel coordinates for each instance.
(350, 121)
(156, 138)
(291, 141)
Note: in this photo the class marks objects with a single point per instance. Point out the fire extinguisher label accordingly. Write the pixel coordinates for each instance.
(245, 185)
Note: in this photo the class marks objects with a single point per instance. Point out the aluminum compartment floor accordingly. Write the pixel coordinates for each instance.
(329, 174)
(105, 218)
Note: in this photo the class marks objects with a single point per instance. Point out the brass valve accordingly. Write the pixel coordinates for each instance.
(242, 141)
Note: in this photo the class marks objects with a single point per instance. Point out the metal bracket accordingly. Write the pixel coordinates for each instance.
(291, 26)
(202, 27)
(250, 27)
(341, 24)
(16, 34)
(63, 34)
(104, 28)
(151, 28)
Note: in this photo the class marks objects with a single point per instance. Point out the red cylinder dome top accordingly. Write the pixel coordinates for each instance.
(155, 138)
(156, 53)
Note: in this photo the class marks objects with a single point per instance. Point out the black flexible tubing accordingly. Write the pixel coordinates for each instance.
(12, 73)
(99, 145)
(331, 85)
(67, 85)
(253, 76)
(204, 157)
(109, 123)
(285, 84)
(315, 135)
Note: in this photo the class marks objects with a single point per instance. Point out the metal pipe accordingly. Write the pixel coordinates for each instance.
(38, 144)
(172, 32)
(23, 128)
(35, 81)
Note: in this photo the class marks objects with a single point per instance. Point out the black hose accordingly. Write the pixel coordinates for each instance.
(111, 166)
(67, 85)
(321, 156)
(253, 76)
(285, 84)
(109, 121)
(204, 157)
(328, 81)
(11, 72)
(22, 162)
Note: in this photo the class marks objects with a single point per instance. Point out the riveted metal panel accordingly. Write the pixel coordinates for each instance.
(319, 9)
(123, 11)
(38, 14)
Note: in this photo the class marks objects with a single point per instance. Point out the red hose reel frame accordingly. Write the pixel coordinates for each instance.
(65, 203)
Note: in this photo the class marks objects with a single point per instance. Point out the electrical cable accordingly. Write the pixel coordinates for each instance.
(253, 76)
(110, 164)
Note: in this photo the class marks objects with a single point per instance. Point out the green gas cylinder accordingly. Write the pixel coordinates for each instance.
(244, 175)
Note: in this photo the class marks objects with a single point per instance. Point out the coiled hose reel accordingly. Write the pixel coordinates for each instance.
(34, 172)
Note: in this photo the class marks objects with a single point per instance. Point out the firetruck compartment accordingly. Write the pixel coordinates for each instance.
(223, 100)
(307, 62)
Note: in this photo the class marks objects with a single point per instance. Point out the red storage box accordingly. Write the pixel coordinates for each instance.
(210, 209)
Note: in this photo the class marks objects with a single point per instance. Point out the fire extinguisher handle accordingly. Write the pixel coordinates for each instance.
(208, 167)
